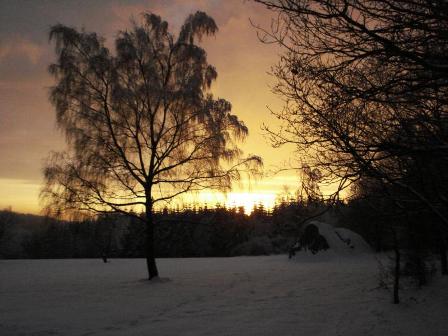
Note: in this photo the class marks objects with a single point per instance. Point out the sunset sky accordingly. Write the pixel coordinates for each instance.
(27, 123)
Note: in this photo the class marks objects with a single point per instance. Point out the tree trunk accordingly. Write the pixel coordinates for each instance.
(416, 256)
(150, 253)
(443, 257)
(397, 269)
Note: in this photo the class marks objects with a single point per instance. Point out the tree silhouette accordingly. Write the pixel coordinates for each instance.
(140, 124)
(365, 86)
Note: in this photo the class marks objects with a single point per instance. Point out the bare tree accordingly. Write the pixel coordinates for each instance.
(365, 86)
(141, 127)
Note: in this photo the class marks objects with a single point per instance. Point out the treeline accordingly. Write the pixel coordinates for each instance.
(214, 232)
(223, 232)
(220, 231)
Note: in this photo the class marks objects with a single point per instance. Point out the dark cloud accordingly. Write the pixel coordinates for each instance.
(32, 19)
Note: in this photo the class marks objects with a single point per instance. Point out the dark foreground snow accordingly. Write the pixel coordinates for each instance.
(309, 295)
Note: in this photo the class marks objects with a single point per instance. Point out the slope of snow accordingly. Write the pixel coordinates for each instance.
(354, 239)
(341, 239)
(325, 294)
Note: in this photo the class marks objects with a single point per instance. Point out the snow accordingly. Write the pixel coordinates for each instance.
(358, 243)
(323, 294)
(341, 239)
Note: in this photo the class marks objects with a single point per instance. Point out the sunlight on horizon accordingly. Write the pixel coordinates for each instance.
(247, 200)
(23, 195)
(20, 195)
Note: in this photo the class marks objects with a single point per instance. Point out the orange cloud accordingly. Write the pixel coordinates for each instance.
(21, 47)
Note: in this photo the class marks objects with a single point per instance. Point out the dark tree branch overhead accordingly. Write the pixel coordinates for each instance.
(365, 86)
(137, 118)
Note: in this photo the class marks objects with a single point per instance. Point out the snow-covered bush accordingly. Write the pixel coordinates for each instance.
(261, 245)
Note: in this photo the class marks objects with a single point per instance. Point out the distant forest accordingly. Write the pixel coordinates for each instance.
(191, 232)
(204, 232)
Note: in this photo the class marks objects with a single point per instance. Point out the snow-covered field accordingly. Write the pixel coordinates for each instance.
(308, 295)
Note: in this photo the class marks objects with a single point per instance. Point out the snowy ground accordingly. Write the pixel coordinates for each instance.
(309, 295)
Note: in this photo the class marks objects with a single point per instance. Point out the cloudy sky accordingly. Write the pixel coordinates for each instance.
(27, 124)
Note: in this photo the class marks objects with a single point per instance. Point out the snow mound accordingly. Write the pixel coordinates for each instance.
(358, 242)
(341, 239)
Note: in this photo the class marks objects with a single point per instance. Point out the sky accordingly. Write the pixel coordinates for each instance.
(28, 131)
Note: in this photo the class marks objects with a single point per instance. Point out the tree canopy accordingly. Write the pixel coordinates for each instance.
(365, 86)
(141, 124)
